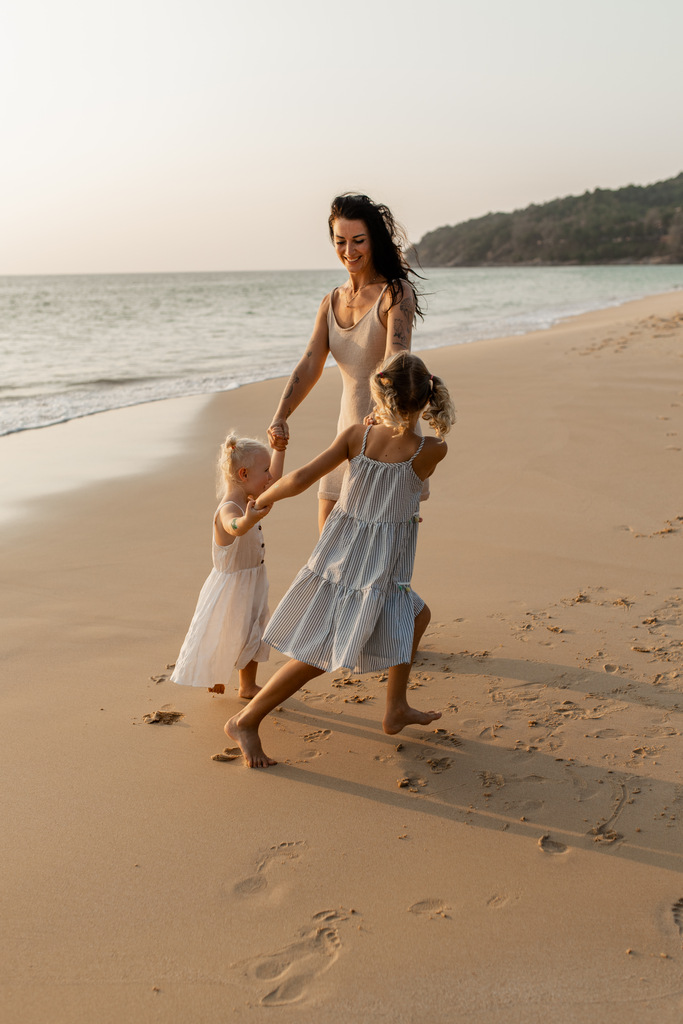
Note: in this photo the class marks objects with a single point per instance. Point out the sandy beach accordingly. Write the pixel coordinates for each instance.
(519, 863)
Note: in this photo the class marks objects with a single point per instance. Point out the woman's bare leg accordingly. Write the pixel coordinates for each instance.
(325, 506)
(244, 726)
(248, 687)
(398, 712)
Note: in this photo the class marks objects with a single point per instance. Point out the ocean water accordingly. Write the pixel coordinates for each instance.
(76, 345)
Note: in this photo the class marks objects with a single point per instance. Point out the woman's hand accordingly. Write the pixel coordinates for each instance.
(278, 435)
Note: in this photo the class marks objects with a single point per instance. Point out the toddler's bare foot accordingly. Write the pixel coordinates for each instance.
(249, 742)
(248, 691)
(397, 718)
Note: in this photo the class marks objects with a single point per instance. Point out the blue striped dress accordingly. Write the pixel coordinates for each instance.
(351, 606)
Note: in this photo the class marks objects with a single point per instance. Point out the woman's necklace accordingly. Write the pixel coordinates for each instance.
(350, 304)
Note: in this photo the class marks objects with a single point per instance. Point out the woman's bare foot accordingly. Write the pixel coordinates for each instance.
(397, 718)
(249, 743)
(247, 692)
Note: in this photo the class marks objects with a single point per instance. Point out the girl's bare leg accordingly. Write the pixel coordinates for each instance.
(398, 712)
(422, 620)
(248, 687)
(244, 726)
(325, 506)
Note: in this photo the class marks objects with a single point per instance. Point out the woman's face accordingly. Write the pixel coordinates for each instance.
(352, 243)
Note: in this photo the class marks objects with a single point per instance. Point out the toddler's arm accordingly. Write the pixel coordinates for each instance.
(277, 463)
(237, 526)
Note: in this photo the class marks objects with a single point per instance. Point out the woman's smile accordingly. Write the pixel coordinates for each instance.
(352, 242)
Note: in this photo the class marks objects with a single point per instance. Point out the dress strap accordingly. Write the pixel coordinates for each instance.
(228, 503)
(418, 450)
(365, 438)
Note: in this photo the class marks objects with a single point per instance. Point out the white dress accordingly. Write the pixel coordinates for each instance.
(227, 627)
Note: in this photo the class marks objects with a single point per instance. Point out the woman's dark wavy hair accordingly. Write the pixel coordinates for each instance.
(387, 239)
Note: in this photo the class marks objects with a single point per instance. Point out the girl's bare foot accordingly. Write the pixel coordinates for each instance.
(249, 743)
(247, 692)
(397, 718)
(247, 681)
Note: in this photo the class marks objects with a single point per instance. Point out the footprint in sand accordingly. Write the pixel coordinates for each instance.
(411, 784)
(430, 908)
(677, 911)
(297, 966)
(319, 734)
(281, 854)
(500, 900)
(549, 845)
(443, 736)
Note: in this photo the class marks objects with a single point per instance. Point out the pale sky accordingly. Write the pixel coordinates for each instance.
(175, 135)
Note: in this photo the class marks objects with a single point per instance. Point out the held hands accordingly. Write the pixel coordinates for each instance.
(278, 435)
(253, 515)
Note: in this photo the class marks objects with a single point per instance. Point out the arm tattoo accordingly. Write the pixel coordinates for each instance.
(293, 380)
(400, 335)
(407, 307)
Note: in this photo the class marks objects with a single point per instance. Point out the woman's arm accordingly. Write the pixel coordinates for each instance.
(305, 375)
(301, 479)
(400, 319)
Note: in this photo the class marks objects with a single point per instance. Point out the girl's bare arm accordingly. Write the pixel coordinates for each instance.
(299, 480)
(277, 464)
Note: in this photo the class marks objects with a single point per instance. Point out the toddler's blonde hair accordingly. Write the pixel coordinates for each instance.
(236, 452)
(402, 385)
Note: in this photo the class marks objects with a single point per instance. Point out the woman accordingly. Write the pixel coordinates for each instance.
(366, 320)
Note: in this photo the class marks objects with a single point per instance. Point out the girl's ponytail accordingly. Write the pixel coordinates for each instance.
(236, 452)
(386, 409)
(440, 411)
(402, 385)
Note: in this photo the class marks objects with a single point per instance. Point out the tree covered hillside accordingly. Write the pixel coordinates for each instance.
(628, 225)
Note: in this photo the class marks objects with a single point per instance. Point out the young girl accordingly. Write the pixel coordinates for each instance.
(227, 627)
(351, 605)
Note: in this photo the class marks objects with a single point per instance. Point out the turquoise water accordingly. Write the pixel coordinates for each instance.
(72, 346)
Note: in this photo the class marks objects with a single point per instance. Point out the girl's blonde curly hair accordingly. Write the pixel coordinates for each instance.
(402, 385)
(236, 452)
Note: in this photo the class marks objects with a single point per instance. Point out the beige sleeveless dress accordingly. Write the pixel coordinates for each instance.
(356, 351)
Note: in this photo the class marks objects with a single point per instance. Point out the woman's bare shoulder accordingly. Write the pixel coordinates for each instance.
(399, 293)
